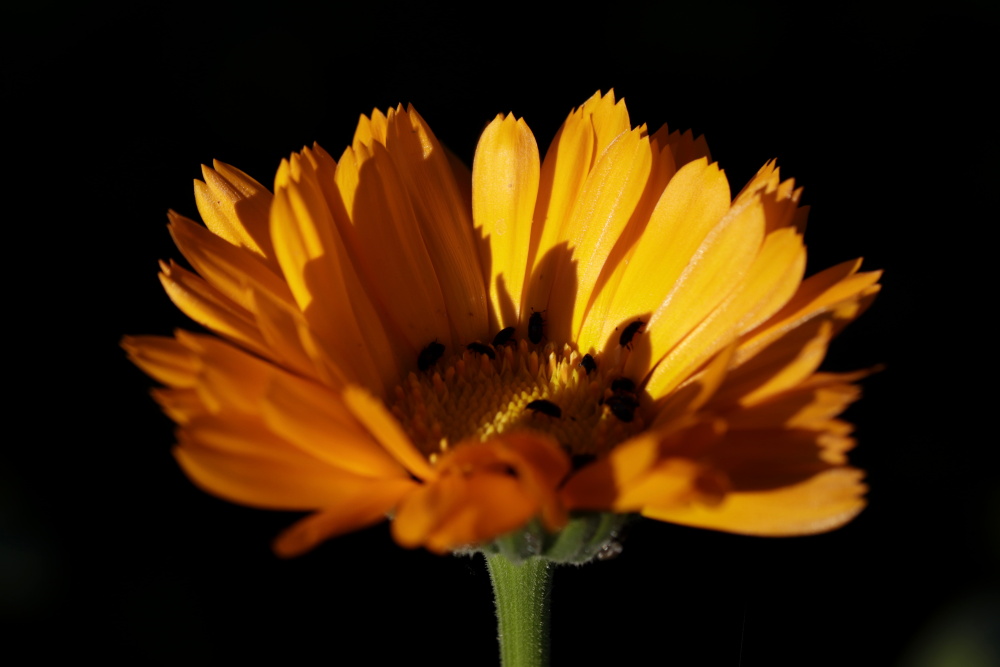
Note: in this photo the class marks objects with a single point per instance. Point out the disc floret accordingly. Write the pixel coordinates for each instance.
(471, 395)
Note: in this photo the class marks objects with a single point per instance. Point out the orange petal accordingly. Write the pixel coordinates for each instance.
(263, 472)
(327, 289)
(816, 505)
(760, 459)
(839, 290)
(541, 465)
(490, 506)
(227, 268)
(605, 483)
(207, 306)
(386, 430)
(165, 359)
(504, 188)
(633, 239)
(458, 510)
(391, 254)
(609, 119)
(564, 171)
(181, 405)
(695, 392)
(352, 514)
(318, 421)
(236, 208)
(718, 268)
(597, 486)
(781, 366)
(445, 220)
(287, 333)
(770, 281)
(687, 148)
(612, 192)
(810, 405)
(674, 481)
(228, 378)
(486, 489)
(693, 203)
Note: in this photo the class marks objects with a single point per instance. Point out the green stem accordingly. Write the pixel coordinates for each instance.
(522, 593)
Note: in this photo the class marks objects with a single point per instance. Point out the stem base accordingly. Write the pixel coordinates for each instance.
(522, 594)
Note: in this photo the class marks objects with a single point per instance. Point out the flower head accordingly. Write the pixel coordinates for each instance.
(604, 330)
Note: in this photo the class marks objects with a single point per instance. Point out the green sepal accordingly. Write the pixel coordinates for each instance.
(586, 536)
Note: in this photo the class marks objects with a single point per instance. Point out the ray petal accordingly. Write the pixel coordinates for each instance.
(488, 506)
(505, 176)
(207, 306)
(316, 419)
(459, 510)
(387, 431)
(165, 359)
(816, 505)
(597, 486)
(783, 365)
(392, 256)
(611, 194)
(691, 205)
(839, 290)
(812, 405)
(326, 288)
(352, 513)
(563, 173)
(227, 268)
(444, 218)
(718, 267)
(769, 282)
(236, 207)
(270, 480)
(286, 332)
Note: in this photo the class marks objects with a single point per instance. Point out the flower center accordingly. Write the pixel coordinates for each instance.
(486, 390)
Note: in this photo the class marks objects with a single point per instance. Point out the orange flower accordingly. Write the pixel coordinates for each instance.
(662, 360)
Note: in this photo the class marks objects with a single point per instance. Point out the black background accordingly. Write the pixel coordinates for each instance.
(881, 113)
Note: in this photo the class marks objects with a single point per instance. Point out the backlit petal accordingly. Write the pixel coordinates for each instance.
(236, 207)
(504, 189)
(693, 203)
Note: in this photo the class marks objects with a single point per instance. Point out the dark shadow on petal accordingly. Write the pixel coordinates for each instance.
(759, 460)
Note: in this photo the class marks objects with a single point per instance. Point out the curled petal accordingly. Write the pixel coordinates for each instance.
(484, 490)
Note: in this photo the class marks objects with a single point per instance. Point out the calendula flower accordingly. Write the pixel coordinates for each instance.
(530, 349)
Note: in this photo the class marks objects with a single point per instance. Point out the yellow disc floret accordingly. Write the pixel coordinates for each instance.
(487, 390)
